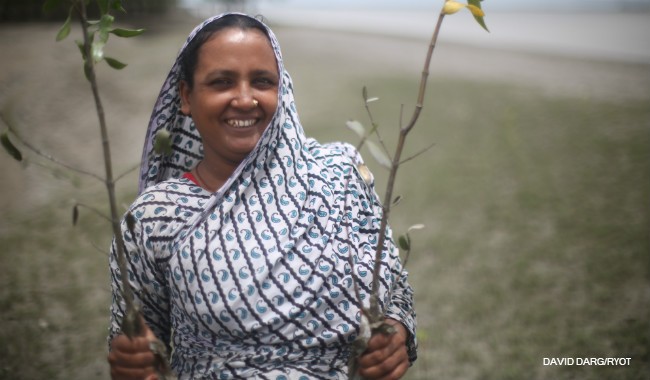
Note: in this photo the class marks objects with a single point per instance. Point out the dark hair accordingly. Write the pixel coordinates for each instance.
(190, 56)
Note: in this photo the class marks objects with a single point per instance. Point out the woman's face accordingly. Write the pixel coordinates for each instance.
(235, 70)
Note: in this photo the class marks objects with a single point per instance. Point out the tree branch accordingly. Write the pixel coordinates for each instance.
(421, 152)
(44, 155)
(131, 323)
(375, 312)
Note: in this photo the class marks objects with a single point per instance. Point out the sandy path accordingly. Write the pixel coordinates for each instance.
(43, 90)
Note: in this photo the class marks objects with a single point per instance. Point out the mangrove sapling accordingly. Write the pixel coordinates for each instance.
(95, 36)
(373, 318)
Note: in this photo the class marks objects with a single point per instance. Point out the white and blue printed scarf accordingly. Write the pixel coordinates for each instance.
(254, 280)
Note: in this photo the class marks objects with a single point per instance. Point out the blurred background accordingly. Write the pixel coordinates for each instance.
(535, 196)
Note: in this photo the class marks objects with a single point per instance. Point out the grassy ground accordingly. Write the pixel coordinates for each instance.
(537, 212)
(537, 242)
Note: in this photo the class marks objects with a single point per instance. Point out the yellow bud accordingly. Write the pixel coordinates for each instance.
(452, 7)
(476, 11)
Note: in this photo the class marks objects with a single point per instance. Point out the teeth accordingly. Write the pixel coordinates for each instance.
(241, 123)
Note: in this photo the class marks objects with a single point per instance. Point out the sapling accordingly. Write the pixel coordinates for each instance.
(373, 319)
(95, 35)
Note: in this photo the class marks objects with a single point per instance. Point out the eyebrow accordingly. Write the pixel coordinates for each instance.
(233, 73)
(265, 72)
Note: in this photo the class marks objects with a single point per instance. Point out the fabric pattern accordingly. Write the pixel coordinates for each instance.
(257, 279)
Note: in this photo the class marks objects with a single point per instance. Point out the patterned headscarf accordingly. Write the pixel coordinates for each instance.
(274, 244)
(187, 148)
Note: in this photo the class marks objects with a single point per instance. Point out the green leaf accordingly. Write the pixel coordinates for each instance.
(162, 143)
(80, 45)
(10, 147)
(479, 19)
(404, 242)
(49, 5)
(65, 29)
(130, 222)
(97, 51)
(114, 63)
(75, 214)
(356, 127)
(104, 24)
(117, 6)
(379, 155)
(120, 32)
(364, 93)
(416, 227)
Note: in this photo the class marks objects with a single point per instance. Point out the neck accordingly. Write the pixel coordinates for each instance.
(212, 176)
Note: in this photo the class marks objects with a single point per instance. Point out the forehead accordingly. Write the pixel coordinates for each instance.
(245, 46)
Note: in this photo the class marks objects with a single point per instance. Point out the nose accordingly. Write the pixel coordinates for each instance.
(243, 98)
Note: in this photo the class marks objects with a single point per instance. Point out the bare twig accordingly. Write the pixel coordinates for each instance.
(375, 314)
(374, 126)
(46, 156)
(418, 153)
(99, 249)
(128, 171)
(96, 211)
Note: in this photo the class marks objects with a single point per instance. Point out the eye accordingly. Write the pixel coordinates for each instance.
(264, 83)
(221, 82)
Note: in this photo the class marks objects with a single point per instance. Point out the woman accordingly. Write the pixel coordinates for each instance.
(243, 238)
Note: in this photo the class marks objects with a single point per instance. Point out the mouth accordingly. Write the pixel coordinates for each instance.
(241, 123)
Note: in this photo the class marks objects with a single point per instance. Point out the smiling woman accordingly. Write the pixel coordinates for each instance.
(232, 97)
(250, 246)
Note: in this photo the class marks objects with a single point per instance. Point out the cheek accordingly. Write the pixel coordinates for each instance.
(270, 104)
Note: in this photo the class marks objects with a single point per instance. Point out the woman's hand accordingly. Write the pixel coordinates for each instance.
(131, 359)
(386, 357)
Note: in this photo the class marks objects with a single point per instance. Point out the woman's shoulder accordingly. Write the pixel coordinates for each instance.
(337, 152)
(174, 196)
(345, 159)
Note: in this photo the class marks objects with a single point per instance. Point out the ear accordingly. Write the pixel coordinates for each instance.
(184, 89)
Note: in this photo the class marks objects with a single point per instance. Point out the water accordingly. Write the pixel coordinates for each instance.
(604, 36)
(611, 36)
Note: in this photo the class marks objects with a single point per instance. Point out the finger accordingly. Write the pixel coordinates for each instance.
(125, 344)
(398, 326)
(131, 360)
(380, 348)
(146, 331)
(378, 341)
(394, 365)
(397, 373)
(149, 334)
(132, 373)
(376, 357)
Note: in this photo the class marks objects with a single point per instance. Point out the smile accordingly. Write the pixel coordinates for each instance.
(238, 123)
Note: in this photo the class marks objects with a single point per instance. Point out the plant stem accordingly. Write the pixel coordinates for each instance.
(375, 313)
(131, 318)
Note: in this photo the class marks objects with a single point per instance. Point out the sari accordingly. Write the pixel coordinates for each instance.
(257, 279)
